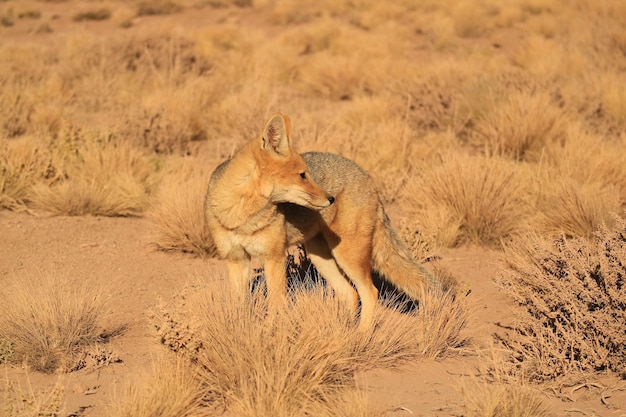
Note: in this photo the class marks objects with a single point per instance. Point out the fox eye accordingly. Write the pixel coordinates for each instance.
(303, 175)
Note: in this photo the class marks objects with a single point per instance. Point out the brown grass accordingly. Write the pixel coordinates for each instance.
(589, 160)
(19, 401)
(178, 212)
(172, 390)
(52, 324)
(95, 14)
(23, 162)
(574, 209)
(521, 126)
(98, 176)
(495, 391)
(487, 400)
(481, 200)
(477, 119)
(258, 362)
(158, 7)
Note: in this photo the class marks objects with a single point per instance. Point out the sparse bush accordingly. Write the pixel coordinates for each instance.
(157, 7)
(51, 323)
(573, 305)
(96, 14)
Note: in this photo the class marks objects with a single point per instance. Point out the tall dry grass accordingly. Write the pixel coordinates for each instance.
(521, 126)
(174, 390)
(178, 211)
(23, 162)
(53, 324)
(254, 361)
(576, 209)
(98, 176)
(470, 199)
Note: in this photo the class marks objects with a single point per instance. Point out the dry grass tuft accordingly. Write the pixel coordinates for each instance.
(175, 390)
(349, 402)
(259, 362)
(52, 324)
(158, 7)
(23, 162)
(495, 392)
(521, 126)
(488, 400)
(573, 305)
(477, 200)
(441, 320)
(178, 217)
(100, 176)
(574, 209)
(592, 161)
(25, 402)
(171, 391)
(95, 14)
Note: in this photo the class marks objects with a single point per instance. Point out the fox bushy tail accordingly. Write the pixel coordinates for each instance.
(392, 259)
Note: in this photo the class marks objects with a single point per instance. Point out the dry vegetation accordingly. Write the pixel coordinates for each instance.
(487, 122)
(574, 305)
(287, 364)
(52, 324)
(20, 401)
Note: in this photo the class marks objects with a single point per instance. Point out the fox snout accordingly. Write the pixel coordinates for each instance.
(322, 203)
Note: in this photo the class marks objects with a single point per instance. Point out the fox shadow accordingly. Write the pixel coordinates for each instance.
(302, 274)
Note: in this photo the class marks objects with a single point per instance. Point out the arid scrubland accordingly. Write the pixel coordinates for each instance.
(500, 124)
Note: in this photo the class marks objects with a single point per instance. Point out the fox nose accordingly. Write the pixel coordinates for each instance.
(331, 199)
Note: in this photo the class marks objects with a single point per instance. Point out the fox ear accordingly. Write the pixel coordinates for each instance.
(276, 134)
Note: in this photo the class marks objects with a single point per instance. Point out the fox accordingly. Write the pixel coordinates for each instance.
(268, 197)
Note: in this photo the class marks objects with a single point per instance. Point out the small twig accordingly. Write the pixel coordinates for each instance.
(584, 385)
(575, 410)
(393, 410)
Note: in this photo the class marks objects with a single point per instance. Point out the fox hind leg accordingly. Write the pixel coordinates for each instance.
(320, 255)
(356, 264)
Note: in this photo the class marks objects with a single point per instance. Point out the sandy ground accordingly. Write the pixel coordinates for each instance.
(117, 252)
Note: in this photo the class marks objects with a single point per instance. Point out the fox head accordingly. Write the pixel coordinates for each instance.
(283, 176)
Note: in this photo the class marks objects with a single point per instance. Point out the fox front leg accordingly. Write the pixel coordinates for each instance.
(239, 276)
(276, 280)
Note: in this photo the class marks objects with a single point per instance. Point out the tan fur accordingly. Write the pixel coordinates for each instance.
(258, 205)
